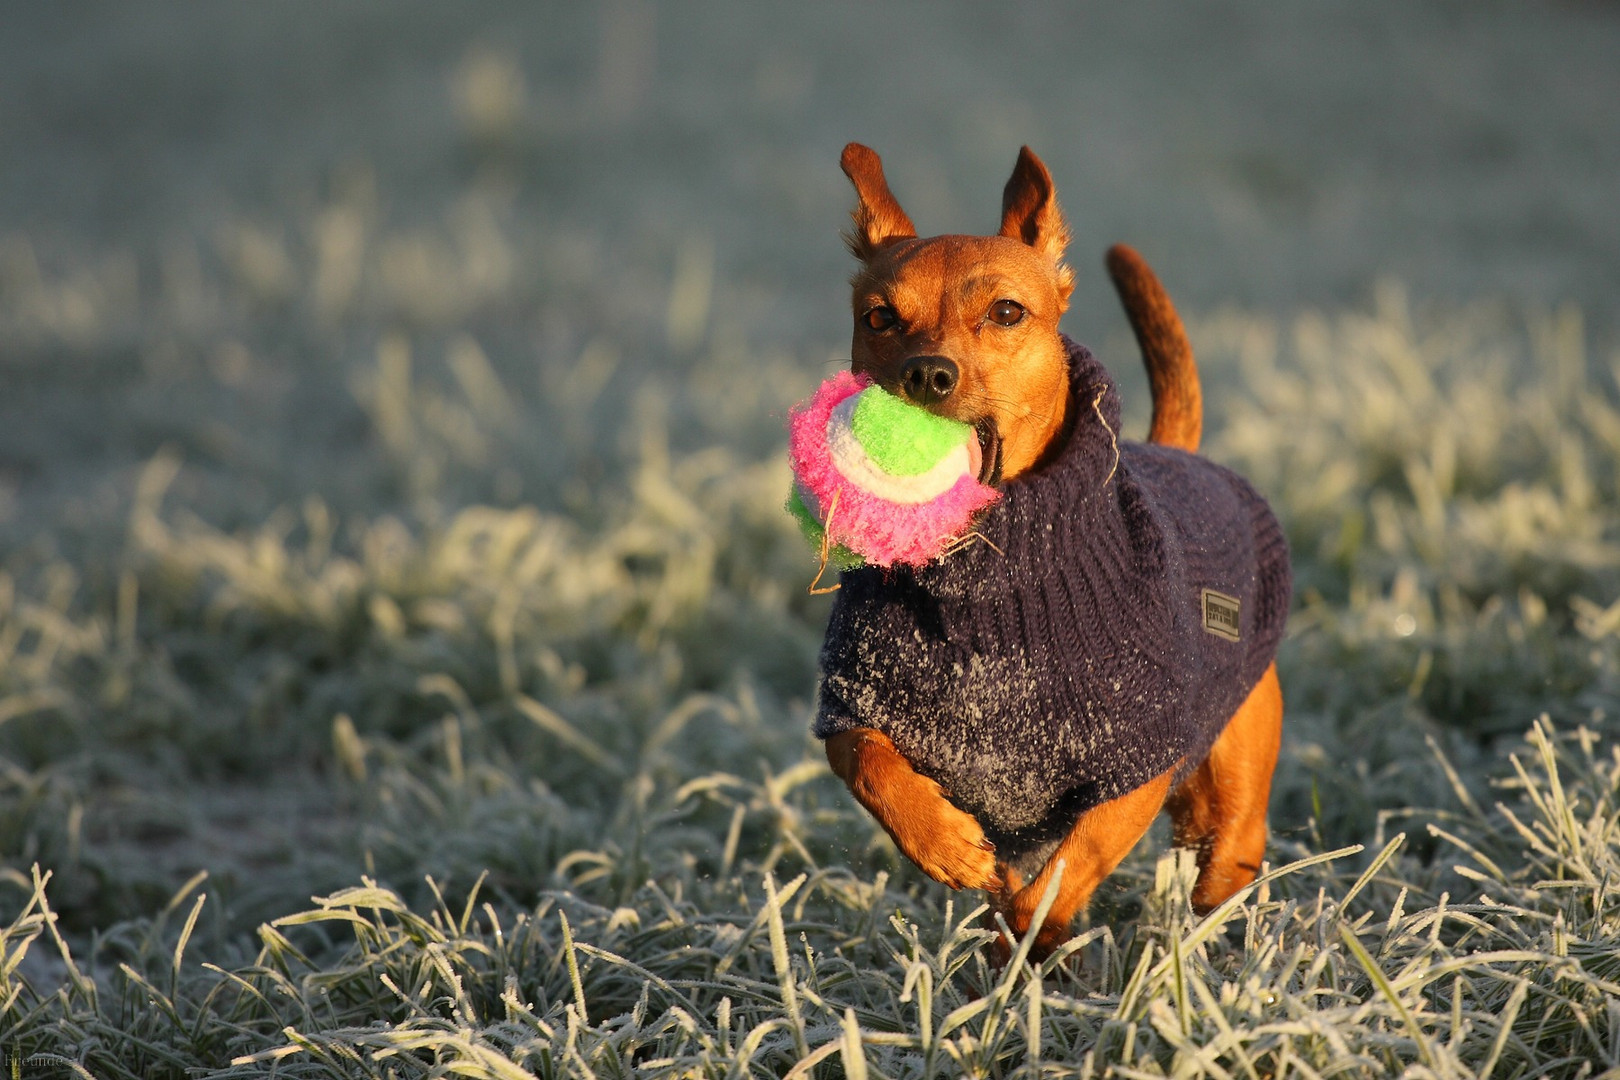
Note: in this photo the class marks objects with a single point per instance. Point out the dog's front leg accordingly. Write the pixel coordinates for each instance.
(1102, 837)
(944, 841)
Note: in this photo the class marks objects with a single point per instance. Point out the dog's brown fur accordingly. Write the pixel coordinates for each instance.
(934, 297)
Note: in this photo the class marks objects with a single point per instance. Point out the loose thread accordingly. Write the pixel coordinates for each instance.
(967, 538)
(826, 548)
(1096, 406)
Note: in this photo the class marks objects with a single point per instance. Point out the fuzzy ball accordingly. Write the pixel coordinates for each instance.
(898, 483)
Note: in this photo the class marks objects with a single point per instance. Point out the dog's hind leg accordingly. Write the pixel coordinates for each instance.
(1102, 837)
(1220, 810)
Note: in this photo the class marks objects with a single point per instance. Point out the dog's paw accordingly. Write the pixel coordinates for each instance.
(1047, 941)
(945, 841)
(953, 849)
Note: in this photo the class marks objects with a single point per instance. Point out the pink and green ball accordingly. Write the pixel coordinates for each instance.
(900, 481)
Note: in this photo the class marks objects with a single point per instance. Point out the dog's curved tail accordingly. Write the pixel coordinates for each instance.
(1178, 402)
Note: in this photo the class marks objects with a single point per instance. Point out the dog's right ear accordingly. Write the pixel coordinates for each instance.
(879, 221)
(1029, 212)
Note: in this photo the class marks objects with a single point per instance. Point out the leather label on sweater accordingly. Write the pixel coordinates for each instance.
(1221, 614)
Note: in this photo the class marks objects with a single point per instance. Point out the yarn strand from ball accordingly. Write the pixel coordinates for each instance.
(960, 542)
(826, 550)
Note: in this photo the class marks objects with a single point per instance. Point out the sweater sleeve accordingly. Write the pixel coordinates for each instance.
(864, 673)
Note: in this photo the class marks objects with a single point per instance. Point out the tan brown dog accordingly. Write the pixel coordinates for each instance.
(967, 326)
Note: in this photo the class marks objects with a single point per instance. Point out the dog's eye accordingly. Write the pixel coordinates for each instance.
(880, 318)
(1006, 312)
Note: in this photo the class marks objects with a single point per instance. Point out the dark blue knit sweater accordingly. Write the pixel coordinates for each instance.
(1079, 656)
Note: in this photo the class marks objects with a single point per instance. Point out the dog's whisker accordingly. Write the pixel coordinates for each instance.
(973, 403)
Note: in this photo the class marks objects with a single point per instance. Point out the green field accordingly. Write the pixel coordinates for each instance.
(406, 663)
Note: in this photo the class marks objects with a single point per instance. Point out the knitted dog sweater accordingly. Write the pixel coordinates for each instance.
(1124, 601)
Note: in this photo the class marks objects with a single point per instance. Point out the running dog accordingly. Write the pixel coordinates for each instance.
(1032, 701)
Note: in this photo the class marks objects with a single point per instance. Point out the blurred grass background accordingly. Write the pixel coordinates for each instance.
(229, 206)
(390, 469)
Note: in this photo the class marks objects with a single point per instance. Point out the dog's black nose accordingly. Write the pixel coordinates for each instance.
(928, 379)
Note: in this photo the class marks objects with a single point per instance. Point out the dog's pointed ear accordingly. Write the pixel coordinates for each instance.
(1029, 212)
(879, 221)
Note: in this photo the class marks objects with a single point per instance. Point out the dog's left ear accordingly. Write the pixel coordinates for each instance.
(1029, 212)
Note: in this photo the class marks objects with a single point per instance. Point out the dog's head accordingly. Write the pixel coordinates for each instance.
(967, 326)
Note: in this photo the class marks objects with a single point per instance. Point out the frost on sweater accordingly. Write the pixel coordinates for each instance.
(1073, 655)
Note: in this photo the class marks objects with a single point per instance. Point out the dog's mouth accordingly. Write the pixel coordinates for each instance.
(989, 452)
